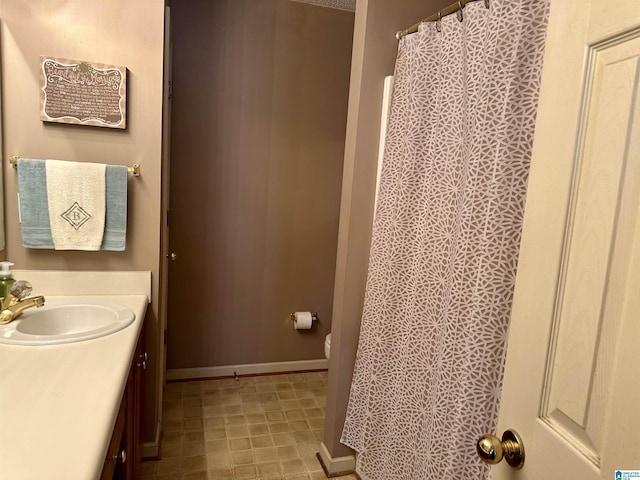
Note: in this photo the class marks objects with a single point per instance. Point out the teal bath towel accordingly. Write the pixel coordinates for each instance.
(115, 223)
(34, 210)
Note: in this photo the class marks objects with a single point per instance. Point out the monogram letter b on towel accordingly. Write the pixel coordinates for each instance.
(76, 198)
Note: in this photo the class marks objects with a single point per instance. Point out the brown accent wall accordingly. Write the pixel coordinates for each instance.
(116, 32)
(258, 126)
(374, 53)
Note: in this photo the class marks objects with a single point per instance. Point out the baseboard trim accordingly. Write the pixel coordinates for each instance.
(338, 466)
(246, 369)
(151, 450)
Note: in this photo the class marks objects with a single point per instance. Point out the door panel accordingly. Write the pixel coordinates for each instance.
(573, 324)
(587, 317)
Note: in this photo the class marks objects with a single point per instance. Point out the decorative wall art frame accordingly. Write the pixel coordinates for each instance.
(83, 93)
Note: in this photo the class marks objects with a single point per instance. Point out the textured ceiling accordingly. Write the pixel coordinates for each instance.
(349, 5)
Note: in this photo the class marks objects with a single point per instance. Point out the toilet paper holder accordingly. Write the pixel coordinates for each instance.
(314, 316)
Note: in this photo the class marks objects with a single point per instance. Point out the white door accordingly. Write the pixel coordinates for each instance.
(572, 379)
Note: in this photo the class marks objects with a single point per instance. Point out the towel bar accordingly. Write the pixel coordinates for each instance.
(133, 170)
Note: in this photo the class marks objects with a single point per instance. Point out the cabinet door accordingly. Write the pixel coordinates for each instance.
(124, 452)
(132, 442)
(112, 467)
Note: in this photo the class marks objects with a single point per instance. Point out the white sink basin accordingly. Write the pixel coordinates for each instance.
(66, 323)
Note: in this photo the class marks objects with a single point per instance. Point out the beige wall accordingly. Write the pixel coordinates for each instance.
(117, 32)
(258, 123)
(374, 52)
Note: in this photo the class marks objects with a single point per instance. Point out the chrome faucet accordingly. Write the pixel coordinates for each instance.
(12, 306)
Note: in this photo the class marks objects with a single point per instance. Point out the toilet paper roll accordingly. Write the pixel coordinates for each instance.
(303, 320)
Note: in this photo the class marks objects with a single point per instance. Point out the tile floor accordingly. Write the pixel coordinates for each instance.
(264, 427)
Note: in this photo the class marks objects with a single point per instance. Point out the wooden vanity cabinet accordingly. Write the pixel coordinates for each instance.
(122, 461)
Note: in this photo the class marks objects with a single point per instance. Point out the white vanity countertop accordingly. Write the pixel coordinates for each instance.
(58, 403)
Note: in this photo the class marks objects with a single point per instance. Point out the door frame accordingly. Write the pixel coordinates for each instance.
(153, 450)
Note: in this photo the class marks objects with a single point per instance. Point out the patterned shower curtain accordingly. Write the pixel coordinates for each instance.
(444, 252)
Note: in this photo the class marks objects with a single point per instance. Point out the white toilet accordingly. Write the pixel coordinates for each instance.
(327, 346)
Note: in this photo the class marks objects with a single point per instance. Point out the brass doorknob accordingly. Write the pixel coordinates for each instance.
(491, 450)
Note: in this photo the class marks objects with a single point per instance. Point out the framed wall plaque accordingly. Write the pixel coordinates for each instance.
(83, 93)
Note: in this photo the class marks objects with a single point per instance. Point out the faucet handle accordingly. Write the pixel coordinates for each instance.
(21, 289)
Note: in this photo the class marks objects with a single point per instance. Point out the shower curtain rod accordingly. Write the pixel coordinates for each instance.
(453, 8)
